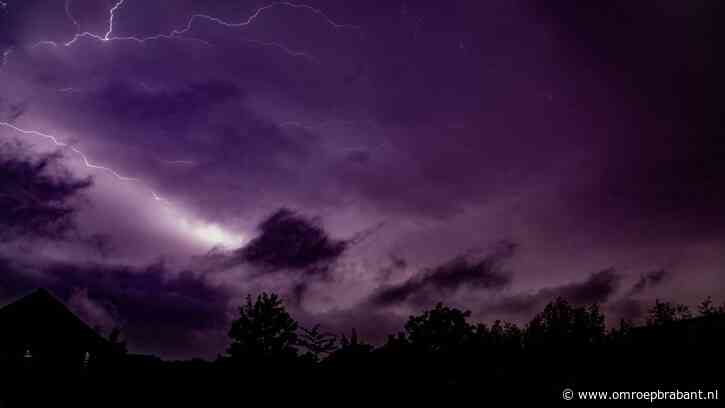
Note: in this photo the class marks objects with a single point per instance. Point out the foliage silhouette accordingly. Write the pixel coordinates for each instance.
(565, 325)
(438, 351)
(665, 313)
(439, 330)
(264, 330)
(707, 308)
(317, 343)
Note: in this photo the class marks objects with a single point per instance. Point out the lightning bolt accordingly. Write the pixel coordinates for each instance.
(181, 33)
(259, 12)
(178, 162)
(286, 50)
(108, 35)
(70, 15)
(176, 34)
(56, 141)
(111, 17)
(340, 123)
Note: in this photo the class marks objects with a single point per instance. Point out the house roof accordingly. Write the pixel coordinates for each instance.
(42, 314)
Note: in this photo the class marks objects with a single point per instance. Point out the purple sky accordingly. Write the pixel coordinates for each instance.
(490, 154)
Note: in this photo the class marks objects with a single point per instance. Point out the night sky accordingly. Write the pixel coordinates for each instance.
(489, 154)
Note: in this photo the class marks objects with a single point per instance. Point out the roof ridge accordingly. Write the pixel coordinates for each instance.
(50, 299)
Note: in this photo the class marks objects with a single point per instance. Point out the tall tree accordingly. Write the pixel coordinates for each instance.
(264, 329)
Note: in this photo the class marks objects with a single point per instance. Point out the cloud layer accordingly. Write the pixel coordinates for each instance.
(589, 136)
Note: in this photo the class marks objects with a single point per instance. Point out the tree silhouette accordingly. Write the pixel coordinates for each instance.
(353, 344)
(439, 349)
(621, 334)
(501, 335)
(707, 308)
(439, 329)
(317, 343)
(350, 350)
(351, 362)
(264, 329)
(118, 345)
(665, 313)
(565, 325)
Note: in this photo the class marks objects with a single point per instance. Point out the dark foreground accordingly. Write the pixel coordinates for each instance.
(437, 356)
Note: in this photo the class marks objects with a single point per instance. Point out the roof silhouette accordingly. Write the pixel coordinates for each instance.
(40, 314)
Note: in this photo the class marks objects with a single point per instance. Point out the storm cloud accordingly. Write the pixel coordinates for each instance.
(648, 280)
(589, 135)
(290, 241)
(598, 288)
(483, 273)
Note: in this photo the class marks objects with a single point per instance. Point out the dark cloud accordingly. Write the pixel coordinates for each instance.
(288, 240)
(486, 273)
(11, 111)
(465, 271)
(648, 280)
(632, 305)
(395, 294)
(396, 264)
(129, 102)
(598, 288)
(37, 195)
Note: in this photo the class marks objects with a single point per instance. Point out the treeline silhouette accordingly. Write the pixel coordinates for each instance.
(437, 351)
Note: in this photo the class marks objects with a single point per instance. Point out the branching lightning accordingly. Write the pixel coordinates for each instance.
(86, 162)
(259, 12)
(286, 50)
(176, 34)
(180, 34)
(108, 35)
